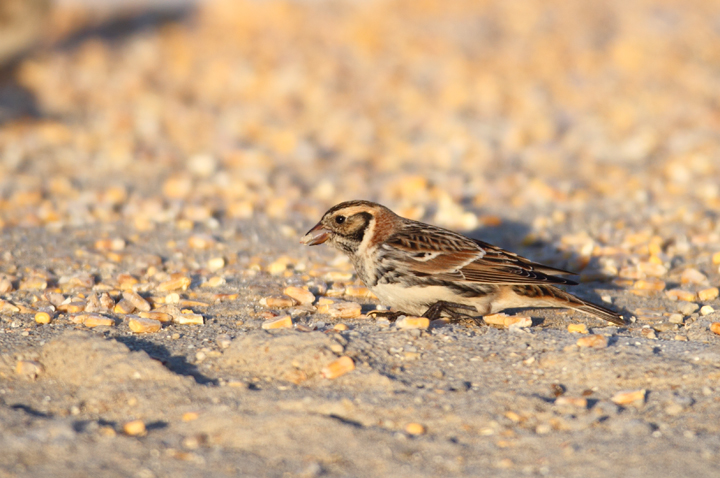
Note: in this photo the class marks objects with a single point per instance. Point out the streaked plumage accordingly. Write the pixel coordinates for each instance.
(410, 266)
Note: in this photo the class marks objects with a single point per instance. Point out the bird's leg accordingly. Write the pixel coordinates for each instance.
(436, 310)
(391, 315)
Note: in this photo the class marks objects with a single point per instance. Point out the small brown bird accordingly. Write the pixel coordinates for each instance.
(419, 269)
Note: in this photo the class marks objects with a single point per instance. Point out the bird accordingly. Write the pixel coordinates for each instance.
(419, 269)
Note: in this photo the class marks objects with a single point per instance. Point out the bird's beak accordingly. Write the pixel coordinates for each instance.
(316, 235)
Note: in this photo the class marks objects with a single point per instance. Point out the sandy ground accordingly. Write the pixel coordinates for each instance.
(181, 155)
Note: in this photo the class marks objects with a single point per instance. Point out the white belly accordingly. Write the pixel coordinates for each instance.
(416, 300)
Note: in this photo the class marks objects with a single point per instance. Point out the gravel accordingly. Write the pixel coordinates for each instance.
(158, 316)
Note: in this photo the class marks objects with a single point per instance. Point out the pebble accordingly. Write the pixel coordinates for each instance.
(277, 302)
(190, 416)
(709, 294)
(636, 397)
(706, 310)
(578, 328)
(715, 327)
(29, 368)
(140, 325)
(223, 341)
(189, 319)
(340, 327)
(648, 333)
(179, 283)
(43, 318)
(693, 276)
(341, 310)
(201, 241)
(33, 283)
(96, 320)
(338, 367)
(716, 258)
(593, 341)
(688, 308)
(336, 290)
(284, 322)
(5, 286)
(414, 429)
(136, 300)
(302, 296)
(135, 428)
(679, 294)
(675, 319)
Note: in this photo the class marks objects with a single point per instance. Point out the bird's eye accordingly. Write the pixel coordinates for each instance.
(340, 219)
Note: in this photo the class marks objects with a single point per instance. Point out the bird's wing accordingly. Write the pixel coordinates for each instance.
(429, 251)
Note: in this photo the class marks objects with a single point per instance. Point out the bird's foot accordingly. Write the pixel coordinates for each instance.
(391, 315)
(436, 310)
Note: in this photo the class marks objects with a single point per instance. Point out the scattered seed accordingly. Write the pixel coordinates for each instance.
(409, 322)
(140, 325)
(136, 300)
(215, 264)
(338, 367)
(636, 397)
(189, 319)
(715, 327)
(414, 429)
(155, 315)
(277, 302)
(179, 283)
(95, 320)
(593, 341)
(577, 328)
(708, 294)
(190, 416)
(302, 296)
(43, 318)
(214, 281)
(577, 402)
(505, 320)
(124, 307)
(284, 322)
(341, 310)
(135, 428)
(706, 310)
(649, 284)
(679, 294)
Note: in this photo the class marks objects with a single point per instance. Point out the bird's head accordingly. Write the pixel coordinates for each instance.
(346, 225)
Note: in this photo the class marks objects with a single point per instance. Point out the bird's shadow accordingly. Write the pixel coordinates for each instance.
(175, 363)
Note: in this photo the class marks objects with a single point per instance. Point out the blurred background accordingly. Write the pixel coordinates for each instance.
(464, 113)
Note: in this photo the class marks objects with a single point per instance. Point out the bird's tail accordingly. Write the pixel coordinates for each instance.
(555, 297)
